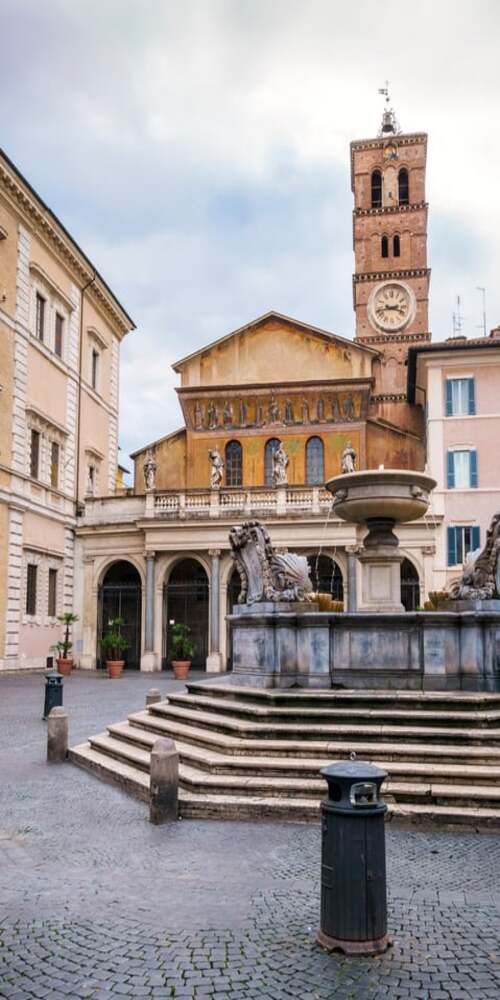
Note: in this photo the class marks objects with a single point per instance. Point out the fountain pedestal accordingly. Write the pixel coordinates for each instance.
(381, 580)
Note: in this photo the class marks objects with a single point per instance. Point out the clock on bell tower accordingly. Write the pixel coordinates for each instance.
(391, 277)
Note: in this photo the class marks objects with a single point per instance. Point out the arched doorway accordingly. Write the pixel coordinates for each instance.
(120, 597)
(233, 592)
(326, 576)
(185, 599)
(410, 586)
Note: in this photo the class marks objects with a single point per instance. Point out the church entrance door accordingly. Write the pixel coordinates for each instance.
(120, 597)
(185, 599)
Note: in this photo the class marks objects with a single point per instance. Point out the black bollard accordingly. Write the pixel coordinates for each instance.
(53, 692)
(353, 882)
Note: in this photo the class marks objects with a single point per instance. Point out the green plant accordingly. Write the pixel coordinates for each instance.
(183, 647)
(62, 648)
(113, 643)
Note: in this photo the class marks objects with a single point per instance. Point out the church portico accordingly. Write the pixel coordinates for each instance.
(185, 570)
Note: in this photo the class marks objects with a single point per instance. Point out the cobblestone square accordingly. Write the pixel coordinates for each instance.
(97, 903)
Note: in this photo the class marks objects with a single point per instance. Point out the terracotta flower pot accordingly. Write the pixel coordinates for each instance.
(115, 668)
(64, 666)
(181, 669)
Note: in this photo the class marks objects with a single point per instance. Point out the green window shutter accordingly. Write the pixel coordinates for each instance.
(449, 404)
(472, 397)
(451, 470)
(452, 547)
(476, 537)
(473, 468)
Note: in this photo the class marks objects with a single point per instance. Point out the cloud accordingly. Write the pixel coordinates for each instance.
(199, 152)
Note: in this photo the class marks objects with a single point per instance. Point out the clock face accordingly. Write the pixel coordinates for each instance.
(391, 306)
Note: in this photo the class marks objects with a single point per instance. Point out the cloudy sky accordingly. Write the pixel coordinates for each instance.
(198, 150)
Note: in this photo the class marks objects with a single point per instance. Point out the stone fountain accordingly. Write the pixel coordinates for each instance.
(281, 639)
(379, 498)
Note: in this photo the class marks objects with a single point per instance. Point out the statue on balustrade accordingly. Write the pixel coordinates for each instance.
(280, 462)
(149, 469)
(348, 459)
(217, 468)
(267, 575)
(480, 580)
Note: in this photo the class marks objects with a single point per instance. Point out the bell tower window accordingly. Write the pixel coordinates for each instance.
(384, 250)
(396, 247)
(403, 187)
(376, 189)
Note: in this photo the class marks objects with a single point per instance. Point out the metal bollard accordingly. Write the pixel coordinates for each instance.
(53, 692)
(152, 696)
(57, 735)
(164, 782)
(353, 882)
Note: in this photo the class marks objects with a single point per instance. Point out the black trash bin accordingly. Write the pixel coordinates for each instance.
(53, 691)
(353, 881)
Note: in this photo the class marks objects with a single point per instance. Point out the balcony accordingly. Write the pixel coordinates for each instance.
(191, 505)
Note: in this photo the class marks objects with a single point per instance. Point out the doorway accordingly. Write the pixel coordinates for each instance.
(120, 596)
(185, 599)
(410, 586)
(233, 592)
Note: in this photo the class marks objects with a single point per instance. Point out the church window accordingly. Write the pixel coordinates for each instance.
(376, 189)
(396, 246)
(385, 247)
(271, 447)
(315, 461)
(403, 187)
(234, 464)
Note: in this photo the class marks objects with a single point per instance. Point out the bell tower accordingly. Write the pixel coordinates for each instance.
(391, 277)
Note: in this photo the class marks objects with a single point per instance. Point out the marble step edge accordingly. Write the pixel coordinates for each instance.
(241, 747)
(194, 777)
(221, 690)
(192, 806)
(221, 763)
(165, 710)
(450, 716)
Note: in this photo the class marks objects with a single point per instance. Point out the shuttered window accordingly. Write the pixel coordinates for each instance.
(31, 581)
(462, 539)
(460, 397)
(462, 470)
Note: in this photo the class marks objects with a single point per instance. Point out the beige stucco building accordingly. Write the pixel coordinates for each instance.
(60, 333)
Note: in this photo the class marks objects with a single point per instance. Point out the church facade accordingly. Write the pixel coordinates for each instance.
(271, 412)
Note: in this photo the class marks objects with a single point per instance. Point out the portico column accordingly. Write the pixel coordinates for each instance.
(214, 658)
(149, 660)
(352, 571)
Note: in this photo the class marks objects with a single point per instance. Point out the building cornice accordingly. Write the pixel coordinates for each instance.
(417, 206)
(396, 338)
(265, 389)
(49, 227)
(411, 272)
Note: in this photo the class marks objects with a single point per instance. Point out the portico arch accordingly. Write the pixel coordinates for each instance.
(410, 585)
(185, 599)
(120, 596)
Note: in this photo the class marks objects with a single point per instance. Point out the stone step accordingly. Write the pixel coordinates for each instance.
(315, 731)
(296, 713)
(231, 801)
(385, 750)
(127, 777)
(220, 763)
(459, 700)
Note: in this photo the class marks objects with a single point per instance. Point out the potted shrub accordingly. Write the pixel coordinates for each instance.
(64, 660)
(113, 645)
(183, 650)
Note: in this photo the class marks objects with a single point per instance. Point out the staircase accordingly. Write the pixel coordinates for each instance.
(248, 754)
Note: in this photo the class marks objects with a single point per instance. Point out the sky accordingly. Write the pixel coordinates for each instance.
(198, 151)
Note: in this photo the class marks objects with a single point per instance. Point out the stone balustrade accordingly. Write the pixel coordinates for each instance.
(287, 501)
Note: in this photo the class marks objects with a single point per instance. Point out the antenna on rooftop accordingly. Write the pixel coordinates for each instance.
(482, 324)
(457, 319)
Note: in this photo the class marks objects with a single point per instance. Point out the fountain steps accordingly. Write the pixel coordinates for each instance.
(231, 767)
(468, 701)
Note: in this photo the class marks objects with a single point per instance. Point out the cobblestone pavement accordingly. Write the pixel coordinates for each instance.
(97, 903)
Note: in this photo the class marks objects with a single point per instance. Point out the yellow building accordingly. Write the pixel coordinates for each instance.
(60, 334)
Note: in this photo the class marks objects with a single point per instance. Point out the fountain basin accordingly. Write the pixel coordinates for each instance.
(381, 495)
